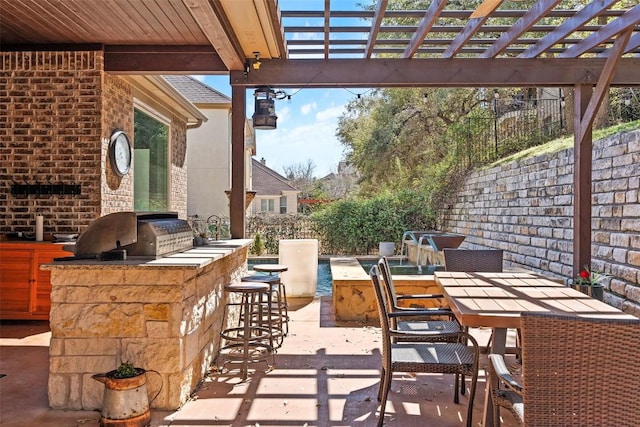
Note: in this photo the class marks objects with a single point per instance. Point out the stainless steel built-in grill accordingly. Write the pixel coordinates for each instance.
(134, 235)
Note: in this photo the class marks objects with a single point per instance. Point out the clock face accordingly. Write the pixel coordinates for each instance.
(120, 153)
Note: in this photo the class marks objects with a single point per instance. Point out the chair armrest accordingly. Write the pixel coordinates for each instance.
(420, 296)
(422, 312)
(501, 370)
(462, 337)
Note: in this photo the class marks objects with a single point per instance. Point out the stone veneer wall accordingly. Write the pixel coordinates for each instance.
(526, 209)
(58, 111)
(161, 318)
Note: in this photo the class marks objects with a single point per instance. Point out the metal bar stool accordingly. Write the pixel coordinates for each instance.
(251, 340)
(280, 293)
(276, 311)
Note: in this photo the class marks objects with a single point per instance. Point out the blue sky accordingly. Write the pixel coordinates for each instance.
(306, 127)
(307, 123)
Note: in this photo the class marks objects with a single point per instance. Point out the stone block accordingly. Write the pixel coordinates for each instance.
(157, 276)
(162, 355)
(97, 320)
(124, 294)
(91, 346)
(92, 393)
(58, 390)
(75, 392)
(156, 311)
(81, 364)
(156, 329)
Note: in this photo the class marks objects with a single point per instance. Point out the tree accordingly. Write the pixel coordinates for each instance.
(395, 136)
(300, 175)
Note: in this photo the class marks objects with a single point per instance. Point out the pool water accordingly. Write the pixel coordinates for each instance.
(402, 268)
(325, 281)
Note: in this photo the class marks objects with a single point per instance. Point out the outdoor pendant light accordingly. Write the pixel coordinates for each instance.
(264, 116)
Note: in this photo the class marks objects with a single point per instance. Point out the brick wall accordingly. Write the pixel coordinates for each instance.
(57, 112)
(50, 133)
(526, 209)
(117, 113)
(178, 199)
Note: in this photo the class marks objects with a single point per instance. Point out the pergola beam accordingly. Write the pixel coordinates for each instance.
(162, 59)
(630, 19)
(237, 205)
(586, 106)
(430, 17)
(567, 27)
(375, 27)
(477, 18)
(456, 72)
(522, 25)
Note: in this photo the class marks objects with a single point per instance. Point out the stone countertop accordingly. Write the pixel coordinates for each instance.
(196, 257)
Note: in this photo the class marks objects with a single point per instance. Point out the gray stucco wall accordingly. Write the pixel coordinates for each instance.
(526, 209)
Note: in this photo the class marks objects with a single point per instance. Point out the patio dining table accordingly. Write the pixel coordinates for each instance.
(496, 300)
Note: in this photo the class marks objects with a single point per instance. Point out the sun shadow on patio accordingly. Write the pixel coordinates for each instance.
(325, 375)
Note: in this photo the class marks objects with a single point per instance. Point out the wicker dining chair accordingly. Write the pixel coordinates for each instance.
(482, 260)
(424, 356)
(576, 371)
(421, 319)
(435, 315)
(478, 260)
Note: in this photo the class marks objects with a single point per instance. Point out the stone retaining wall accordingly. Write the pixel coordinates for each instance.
(526, 209)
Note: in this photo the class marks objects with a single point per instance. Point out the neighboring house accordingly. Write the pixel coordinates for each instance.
(274, 194)
(209, 149)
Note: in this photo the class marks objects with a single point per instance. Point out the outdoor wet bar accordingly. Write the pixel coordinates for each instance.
(162, 314)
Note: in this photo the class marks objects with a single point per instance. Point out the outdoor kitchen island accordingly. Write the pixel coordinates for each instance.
(162, 315)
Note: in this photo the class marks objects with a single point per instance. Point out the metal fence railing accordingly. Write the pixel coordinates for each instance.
(508, 127)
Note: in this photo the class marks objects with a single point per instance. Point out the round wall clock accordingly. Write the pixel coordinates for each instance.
(120, 153)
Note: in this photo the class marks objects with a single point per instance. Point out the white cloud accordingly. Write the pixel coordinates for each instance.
(306, 109)
(331, 113)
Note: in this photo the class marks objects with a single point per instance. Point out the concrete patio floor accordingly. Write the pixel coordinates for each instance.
(326, 375)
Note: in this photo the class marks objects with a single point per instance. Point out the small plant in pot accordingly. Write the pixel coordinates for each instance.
(126, 370)
(590, 282)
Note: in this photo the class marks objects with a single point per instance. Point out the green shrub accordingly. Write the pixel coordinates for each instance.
(357, 226)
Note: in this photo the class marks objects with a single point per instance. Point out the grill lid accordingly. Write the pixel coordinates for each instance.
(140, 234)
(107, 233)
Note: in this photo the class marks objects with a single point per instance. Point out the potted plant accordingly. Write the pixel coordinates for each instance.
(590, 282)
(126, 401)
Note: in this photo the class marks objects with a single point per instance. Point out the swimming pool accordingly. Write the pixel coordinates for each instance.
(402, 267)
(325, 281)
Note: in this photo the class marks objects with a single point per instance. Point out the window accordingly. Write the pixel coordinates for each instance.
(283, 204)
(151, 159)
(266, 205)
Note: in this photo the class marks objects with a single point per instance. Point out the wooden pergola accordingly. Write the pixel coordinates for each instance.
(498, 44)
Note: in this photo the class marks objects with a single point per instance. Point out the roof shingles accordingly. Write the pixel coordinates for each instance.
(267, 182)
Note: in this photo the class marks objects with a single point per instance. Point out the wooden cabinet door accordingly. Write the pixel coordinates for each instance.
(16, 278)
(41, 294)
